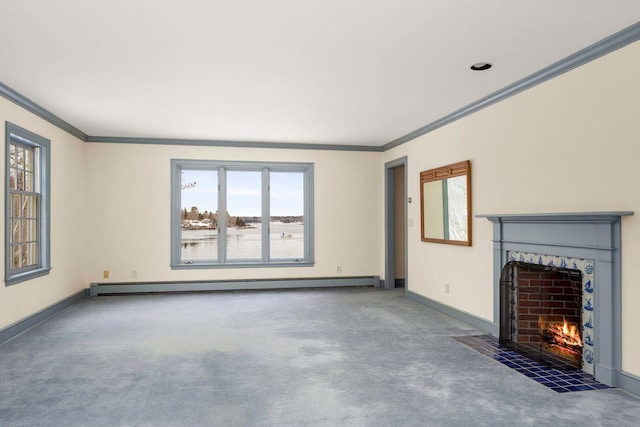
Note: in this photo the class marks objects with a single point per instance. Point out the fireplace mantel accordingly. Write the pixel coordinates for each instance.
(558, 217)
(588, 235)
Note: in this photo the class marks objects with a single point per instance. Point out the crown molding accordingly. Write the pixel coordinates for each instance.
(614, 42)
(236, 144)
(29, 105)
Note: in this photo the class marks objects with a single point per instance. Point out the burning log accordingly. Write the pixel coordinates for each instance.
(561, 334)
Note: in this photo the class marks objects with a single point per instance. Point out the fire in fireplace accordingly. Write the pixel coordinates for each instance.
(561, 337)
(541, 313)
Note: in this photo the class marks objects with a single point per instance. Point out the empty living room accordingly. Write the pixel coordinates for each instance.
(281, 213)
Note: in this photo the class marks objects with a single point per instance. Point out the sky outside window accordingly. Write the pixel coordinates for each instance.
(244, 187)
(204, 194)
(287, 193)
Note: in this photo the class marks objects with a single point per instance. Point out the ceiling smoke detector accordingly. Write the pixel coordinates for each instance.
(481, 66)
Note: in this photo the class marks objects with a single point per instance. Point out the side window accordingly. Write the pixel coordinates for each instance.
(241, 214)
(26, 205)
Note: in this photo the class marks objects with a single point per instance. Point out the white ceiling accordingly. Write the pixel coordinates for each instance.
(353, 72)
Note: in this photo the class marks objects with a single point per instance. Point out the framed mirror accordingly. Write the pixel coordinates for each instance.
(445, 204)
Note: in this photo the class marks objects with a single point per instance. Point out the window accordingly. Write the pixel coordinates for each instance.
(241, 214)
(26, 205)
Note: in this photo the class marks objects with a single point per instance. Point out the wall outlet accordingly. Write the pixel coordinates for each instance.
(134, 274)
(339, 269)
(446, 288)
(105, 274)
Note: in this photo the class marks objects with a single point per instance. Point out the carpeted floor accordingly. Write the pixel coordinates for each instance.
(339, 357)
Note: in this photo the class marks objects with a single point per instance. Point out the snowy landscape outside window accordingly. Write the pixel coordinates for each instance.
(234, 214)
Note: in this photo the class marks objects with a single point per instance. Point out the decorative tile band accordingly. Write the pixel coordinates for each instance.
(587, 268)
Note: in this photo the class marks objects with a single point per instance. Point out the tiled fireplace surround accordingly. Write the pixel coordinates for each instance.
(593, 238)
(586, 287)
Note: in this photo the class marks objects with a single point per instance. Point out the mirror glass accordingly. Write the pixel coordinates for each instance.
(446, 204)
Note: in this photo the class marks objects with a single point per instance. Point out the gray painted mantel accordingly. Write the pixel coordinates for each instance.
(591, 235)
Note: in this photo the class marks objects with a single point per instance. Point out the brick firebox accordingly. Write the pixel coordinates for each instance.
(538, 300)
(545, 295)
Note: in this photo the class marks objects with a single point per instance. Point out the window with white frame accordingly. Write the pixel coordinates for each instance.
(235, 214)
(26, 205)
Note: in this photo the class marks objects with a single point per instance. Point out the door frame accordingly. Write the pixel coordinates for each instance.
(389, 223)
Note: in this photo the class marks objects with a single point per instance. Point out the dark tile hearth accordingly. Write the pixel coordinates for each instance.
(557, 380)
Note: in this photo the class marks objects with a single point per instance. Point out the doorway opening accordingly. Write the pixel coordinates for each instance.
(396, 224)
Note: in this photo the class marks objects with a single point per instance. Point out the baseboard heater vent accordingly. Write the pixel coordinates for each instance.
(229, 285)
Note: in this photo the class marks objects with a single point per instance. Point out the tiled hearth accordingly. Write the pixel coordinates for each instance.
(556, 380)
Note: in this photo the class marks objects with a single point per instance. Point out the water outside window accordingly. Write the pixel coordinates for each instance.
(199, 217)
(244, 215)
(287, 215)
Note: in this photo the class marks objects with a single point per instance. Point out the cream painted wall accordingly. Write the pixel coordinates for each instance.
(569, 145)
(128, 195)
(67, 224)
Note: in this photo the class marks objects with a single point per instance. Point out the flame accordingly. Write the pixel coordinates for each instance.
(565, 334)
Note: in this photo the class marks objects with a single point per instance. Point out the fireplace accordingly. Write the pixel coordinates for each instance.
(541, 313)
(591, 241)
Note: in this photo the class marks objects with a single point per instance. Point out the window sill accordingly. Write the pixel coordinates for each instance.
(22, 277)
(201, 266)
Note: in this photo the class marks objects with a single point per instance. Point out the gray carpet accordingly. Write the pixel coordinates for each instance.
(343, 357)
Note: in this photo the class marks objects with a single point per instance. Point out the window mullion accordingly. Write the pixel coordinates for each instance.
(266, 216)
(308, 215)
(176, 203)
(222, 215)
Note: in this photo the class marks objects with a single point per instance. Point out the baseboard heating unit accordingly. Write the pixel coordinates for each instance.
(228, 285)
